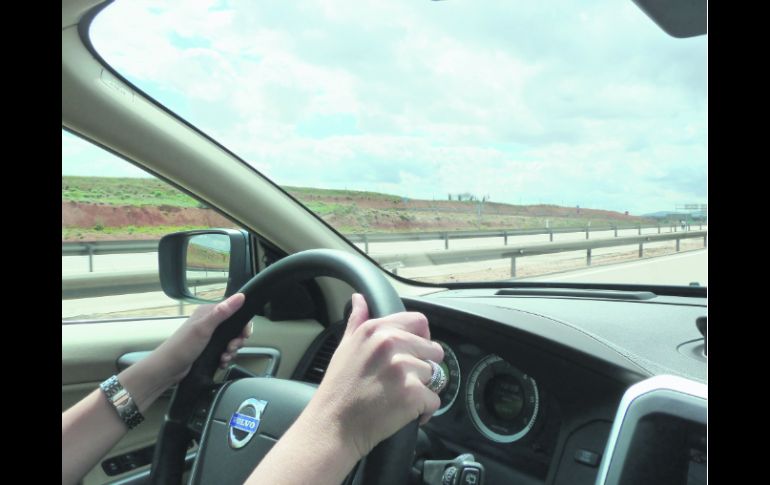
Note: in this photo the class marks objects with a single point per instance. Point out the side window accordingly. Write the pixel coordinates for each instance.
(113, 215)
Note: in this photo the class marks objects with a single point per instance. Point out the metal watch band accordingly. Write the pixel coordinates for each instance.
(122, 401)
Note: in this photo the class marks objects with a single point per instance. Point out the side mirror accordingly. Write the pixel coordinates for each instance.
(204, 266)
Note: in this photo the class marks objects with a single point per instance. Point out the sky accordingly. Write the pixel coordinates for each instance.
(582, 103)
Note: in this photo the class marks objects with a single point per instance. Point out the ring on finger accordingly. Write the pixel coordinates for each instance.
(438, 377)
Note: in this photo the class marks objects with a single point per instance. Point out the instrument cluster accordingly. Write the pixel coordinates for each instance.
(501, 401)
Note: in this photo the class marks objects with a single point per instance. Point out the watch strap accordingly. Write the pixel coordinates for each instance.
(122, 401)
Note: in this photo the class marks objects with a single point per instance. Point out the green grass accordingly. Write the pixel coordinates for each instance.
(147, 191)
(322, 208)
(140, 232)
(303, 192)
(123, 191)
(342, 208)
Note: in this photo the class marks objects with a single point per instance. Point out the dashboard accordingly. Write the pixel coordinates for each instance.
(537, 376)
(492, 406)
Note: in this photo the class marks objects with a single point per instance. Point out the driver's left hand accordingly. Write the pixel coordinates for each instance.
(177, 354)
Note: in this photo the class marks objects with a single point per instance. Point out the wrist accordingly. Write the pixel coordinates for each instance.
(146, 381)
(314, 447)
(122, 401)
(328, 430)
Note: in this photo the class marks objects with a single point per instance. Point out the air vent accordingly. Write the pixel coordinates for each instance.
(317, 369)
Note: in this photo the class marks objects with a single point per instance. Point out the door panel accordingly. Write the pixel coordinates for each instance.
(90, 354)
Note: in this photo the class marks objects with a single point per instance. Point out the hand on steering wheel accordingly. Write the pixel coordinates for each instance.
(185, 345)
(375, 383)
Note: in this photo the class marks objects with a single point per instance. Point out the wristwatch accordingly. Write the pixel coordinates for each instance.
(122, 401)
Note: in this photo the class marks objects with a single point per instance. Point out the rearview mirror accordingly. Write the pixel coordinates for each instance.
(204, 266)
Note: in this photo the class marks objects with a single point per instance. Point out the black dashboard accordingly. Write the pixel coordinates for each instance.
(536, 376)
(540, 373)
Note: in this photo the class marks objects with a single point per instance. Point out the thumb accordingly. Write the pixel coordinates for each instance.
(359, 315)
(224, 310)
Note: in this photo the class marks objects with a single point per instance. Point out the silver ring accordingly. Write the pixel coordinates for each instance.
(438, 378)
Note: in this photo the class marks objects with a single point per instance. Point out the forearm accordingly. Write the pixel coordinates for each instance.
(88, 430)
(92, 427)
(313, 450)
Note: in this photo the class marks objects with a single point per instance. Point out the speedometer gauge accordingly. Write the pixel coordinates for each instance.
(502, 401)
(452, 370)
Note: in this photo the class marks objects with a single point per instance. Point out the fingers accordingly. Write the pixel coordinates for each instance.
(224, 310)
(234, 345)
(228, 356)
(431, 403)
(410, 375)
(412, 322)
(390, 341)
(225, 360)
(247, 331)
(208, 317)
(423, 401)
(419, 368)
(232, 350)
(359, 315)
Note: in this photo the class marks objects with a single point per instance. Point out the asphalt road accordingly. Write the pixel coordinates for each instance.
(149, 261)
(438, 244)
(678, 269)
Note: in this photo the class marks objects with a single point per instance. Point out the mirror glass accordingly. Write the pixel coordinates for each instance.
(207, 264)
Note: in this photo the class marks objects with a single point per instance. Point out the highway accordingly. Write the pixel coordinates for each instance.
(609, 265)
(676, 269)
(148, 261)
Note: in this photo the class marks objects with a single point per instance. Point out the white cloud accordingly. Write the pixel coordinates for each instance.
(519, 100)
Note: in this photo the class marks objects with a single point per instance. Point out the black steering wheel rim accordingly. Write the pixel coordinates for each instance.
(390, 460)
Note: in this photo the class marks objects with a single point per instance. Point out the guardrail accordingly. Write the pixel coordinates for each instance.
(96, 284)
(96, 248)
(90, 285)
(505, 234)
(395, 261)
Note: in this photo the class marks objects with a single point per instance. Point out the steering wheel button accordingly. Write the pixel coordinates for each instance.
(449, 476)
(470, 476)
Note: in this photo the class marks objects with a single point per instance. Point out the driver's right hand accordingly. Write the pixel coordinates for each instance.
(376, 381)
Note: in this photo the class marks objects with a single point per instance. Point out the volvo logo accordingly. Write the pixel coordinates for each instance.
(244, 422)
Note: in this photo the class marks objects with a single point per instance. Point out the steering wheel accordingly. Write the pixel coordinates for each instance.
(389, 462)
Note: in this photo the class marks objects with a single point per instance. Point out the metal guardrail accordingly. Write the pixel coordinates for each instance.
(96, 248)
(505, 234)
(394, 261)
(90, 285)
(109, 247)
(96, 284)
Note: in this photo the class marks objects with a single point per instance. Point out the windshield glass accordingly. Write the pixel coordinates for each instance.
(456, 140)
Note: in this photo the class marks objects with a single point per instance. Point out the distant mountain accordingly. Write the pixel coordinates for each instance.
(659, 215)
(672, 214)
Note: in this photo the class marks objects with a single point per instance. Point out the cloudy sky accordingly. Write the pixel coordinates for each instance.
(577, 103)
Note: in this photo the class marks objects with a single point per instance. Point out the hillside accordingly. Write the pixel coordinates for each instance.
(131, 208)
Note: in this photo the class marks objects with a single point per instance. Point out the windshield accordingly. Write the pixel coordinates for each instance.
(456, 140)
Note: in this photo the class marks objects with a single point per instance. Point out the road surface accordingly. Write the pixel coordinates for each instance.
(677, 269)
(609, 265)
